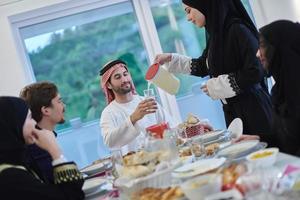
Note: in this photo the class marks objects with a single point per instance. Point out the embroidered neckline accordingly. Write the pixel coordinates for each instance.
(233, 83)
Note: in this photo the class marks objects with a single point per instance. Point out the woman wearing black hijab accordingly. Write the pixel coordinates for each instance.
(279, 52)
(236, 76)
(17, 181)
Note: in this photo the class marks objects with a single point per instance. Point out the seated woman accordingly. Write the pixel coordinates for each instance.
(17, 181)
(279, 52)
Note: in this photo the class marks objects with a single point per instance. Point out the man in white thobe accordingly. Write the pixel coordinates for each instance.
(127, 114)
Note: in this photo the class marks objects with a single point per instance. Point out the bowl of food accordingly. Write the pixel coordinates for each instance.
(201, 186)
(191, 127)
(263, 158)
(144, 169)
(193, 130)
(157, 179)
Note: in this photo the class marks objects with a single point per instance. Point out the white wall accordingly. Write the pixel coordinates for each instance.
(12, 73)
(266, 11)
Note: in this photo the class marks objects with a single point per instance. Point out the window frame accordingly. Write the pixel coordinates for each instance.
(144, 17)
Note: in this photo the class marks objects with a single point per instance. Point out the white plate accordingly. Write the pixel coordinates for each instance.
(219, 140)
(95, 168)
(97, 194)
(236, 128)
(242, 156)
(198, 167)
(209, 136)
(238, 148)
(91, 185)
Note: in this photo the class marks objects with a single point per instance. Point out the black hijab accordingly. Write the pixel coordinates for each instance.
(219, 15)
(13, 112)
(284, 38)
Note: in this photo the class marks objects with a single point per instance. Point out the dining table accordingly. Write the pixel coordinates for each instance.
(283, 160)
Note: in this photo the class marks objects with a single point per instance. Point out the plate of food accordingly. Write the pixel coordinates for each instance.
(239, 149)
(144, 169)
(198, 167)
(154, 179)
(264, 157)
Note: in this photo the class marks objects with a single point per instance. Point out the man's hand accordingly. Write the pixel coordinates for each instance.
(145, 107)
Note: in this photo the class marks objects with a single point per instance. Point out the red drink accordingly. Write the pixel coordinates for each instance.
(157, 130)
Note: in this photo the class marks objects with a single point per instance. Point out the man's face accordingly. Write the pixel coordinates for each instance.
(56, 110)
(120, 81)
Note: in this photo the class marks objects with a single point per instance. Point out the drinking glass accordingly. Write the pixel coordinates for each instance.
(149, 93)
(117, 161)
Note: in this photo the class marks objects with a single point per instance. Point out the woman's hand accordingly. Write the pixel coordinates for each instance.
(163, 58)
(46, 140)
(145, 107)
(204, 89)
(245, 137)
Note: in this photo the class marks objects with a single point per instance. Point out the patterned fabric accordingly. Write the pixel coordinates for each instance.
(233, 83)
(66, 172)
(109, 95)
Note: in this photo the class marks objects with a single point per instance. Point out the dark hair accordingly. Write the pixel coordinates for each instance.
(37, 95)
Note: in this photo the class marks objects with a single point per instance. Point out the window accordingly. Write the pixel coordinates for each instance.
(69, 42)
(70, 50)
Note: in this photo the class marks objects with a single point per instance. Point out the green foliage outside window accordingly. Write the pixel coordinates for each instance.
(72, 60)
(73, 57)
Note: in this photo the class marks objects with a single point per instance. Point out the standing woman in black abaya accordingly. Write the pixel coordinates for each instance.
(236, 75)
(279, 52)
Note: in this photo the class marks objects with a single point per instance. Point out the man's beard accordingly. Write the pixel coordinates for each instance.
(62, 121)
(121, 90)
